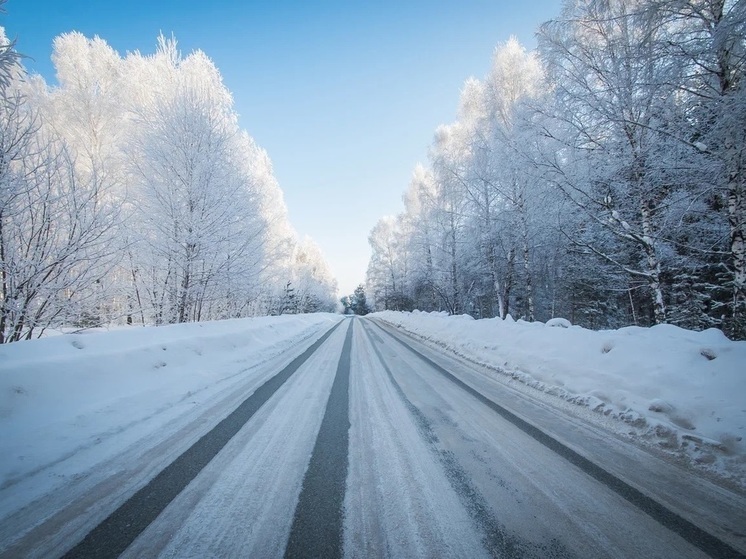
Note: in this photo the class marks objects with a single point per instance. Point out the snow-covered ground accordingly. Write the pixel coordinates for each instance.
(88, 419)
(679, 389)
(63, 398)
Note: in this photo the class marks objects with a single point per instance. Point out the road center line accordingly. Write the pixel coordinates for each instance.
(117, 531)
(318, 522)
(690, 532)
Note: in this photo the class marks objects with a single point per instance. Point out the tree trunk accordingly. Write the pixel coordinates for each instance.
(456, 306)
(454, 282)
(529, 282)
(508, 282)
(737, 224)
(4, 293)
(526, 261)
(654, 265)
(733, 155)
(433, 294)
(495, 281)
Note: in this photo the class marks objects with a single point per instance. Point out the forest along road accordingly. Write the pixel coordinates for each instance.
(369, 444)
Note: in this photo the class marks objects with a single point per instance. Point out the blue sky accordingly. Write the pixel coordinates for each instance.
(345, 96)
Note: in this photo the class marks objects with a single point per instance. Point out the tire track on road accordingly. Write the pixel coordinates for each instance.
(497, 541)
(687, 530)
(115, 533)
(317, 529)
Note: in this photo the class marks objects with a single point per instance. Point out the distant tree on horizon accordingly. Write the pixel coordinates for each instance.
(359, 305)
(346, 304)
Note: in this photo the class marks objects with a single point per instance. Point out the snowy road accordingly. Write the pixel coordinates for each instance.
(364, 443)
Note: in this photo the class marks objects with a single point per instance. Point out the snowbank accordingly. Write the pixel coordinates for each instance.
(685, 389)
(61, 394)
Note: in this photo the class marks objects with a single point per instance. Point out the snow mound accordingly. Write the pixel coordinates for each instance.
(559, 322)
(678, 389)
(68, 393)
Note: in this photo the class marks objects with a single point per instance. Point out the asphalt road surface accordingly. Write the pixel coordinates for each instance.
(365, 443)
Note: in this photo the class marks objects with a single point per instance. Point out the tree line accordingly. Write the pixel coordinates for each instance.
(599, 178)
(129, 194)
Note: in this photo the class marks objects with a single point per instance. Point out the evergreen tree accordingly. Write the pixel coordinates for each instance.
(346, 304)
(359, 304)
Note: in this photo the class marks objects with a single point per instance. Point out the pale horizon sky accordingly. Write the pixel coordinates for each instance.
(344, 96)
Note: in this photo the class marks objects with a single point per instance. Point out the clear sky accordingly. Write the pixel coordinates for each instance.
(344, 95)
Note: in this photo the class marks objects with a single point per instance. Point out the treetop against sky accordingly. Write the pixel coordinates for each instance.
(344, 96)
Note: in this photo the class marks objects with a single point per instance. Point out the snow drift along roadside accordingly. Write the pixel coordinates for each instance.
(685, 388)
(65, 393)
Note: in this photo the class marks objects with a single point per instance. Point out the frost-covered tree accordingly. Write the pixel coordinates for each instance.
(625, 121)
(53, 227)
(499, 183)
(129, 194)
(600, 178)
(613, 93)
(314, 286)
(468, 237)
(359, 303)
(707, 39)
(419, 203)
(388, 270)
(9, 57)
(190, 196)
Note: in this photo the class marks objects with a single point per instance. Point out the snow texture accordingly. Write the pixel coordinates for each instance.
(681, 389)
(71, 401)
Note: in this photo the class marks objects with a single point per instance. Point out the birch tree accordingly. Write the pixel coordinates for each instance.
(707, 38)
(613, 90)
(53, 229)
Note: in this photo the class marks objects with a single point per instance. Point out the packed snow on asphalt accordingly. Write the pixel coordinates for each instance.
(87, 419)
(63, 395)
(682, 391)
(71, 401)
